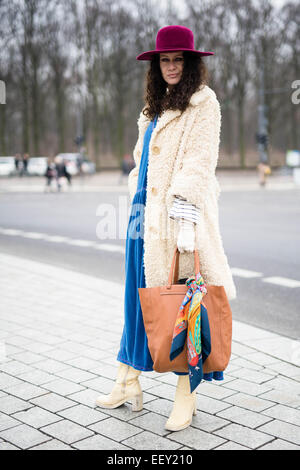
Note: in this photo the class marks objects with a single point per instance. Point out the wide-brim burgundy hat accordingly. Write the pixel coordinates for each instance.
(171, 39)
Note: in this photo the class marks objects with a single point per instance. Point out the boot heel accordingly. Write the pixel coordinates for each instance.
(137, 402)
(195, 410)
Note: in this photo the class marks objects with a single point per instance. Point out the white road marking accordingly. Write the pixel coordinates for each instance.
(10, 231)
(239, 272)
(34, 235)
(60, 239)
(76, 242)
(55, 238)
(245, 273)
(282, 281)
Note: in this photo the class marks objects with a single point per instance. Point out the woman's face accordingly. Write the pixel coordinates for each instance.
(171, 66)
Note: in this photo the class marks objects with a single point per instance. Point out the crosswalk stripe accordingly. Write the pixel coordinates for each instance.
(282, 281)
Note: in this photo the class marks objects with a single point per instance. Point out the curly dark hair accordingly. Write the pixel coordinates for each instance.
(194, 75)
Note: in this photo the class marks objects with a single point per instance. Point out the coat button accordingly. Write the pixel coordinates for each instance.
(153, 229)
(155, 150)
(181, 165)
(154, 190)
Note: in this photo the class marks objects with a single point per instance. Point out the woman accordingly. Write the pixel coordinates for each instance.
(174, 191)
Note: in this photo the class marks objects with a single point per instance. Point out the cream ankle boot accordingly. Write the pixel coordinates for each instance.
(126, 387)
(184, 405)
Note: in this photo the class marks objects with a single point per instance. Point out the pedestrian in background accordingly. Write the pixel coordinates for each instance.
(18, 162)
(50, 174)
(180, 190)
(25, 161)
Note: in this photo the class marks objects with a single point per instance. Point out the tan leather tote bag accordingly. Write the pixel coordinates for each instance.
(160, 307)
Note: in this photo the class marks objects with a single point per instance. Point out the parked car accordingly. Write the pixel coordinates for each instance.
(72, 163)
(37, 166)
(7, 166)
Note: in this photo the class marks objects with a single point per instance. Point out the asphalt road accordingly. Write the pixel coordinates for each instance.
(260, 231)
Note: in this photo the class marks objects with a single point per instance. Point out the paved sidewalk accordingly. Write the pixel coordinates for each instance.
(59, 336)
(230, 180)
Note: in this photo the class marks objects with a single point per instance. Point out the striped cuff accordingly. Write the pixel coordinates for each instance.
(182, 209)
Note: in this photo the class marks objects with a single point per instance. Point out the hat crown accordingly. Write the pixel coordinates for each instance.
(172, 37)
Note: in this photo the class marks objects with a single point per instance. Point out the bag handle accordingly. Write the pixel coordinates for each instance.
(175, 266)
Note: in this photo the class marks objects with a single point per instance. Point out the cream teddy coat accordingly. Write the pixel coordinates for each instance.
(183, 154)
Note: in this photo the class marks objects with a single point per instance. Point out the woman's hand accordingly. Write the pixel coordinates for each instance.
(186, 236)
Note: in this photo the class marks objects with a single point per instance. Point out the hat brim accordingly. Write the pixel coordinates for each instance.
(149, 54)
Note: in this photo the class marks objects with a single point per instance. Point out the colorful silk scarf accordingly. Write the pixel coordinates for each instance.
(192, 325)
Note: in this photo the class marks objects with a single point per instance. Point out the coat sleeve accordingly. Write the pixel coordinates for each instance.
(182, 209)
(192, 182)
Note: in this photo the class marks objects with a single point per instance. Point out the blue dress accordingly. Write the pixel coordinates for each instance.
(134, 349)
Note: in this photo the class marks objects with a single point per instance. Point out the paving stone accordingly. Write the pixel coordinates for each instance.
(214, 391)
(161, 406)
(7, 446)
(51, 366)
(123, 412)
(115, 429)
(249, 402)
(261, 359)
(26, 391)
(210, 405)
(67, 431)
(207, 422)
(278, 444)
(63, 387)
(76, 375)
(252, 375)
(83, 415)
(10, 404)
(24, 436)
(284, 413)
(99, 443)
(282, 397)
(86, 397)
(37, 417)
(83, 363)
(100, 384)
(27, 357)
(149, 441)
(38, 348)
(244, 436)
(37, 377)
(241, 349)
(244, 417)
(7, 422)
(170, 379)
(250, 388)
(286, 384)
(7, 381)
(52, 445)
(241, 362)
(231, 446)
(163, 391)
(15, 368)
(53, 402)
(60, 354)
(151, 422)
(285, 369)
(286, 431)
(196, 439)
(104, 370)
